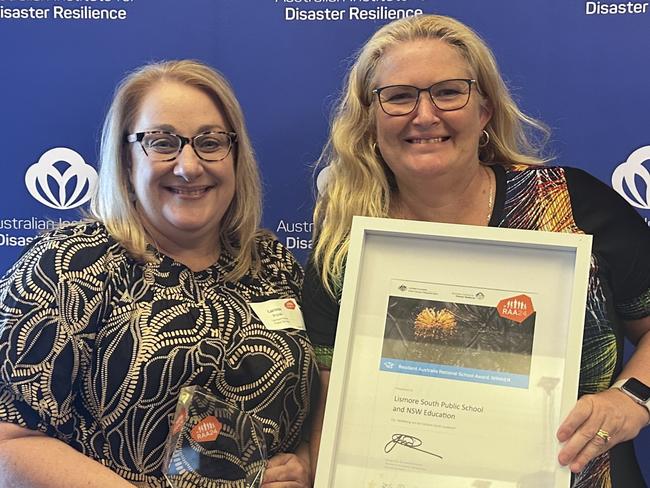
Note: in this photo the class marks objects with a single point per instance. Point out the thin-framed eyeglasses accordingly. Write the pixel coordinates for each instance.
(447, 95)
(163, 146)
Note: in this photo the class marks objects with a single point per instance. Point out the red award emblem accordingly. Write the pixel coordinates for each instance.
(206, 430)
(517, 308)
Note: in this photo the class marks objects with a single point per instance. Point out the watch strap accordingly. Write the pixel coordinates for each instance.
(618, 385)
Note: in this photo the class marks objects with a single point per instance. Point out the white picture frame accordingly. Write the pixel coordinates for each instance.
(457, 356)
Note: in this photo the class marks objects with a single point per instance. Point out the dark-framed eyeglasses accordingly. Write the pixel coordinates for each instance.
(163, 146)
(447, 95)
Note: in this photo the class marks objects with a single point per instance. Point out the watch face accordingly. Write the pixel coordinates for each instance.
(638, 389)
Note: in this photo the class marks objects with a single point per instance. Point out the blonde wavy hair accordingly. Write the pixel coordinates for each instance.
(112, 204)
(359, 181)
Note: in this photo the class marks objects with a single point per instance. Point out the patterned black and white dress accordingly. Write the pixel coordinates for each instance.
(95, 346)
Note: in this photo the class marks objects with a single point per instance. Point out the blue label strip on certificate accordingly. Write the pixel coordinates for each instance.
(453, 372)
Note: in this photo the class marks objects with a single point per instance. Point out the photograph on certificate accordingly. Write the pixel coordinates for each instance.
(486, 343)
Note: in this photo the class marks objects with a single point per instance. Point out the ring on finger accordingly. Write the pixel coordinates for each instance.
(604, 435)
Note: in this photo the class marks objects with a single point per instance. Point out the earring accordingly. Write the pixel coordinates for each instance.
(485, 134)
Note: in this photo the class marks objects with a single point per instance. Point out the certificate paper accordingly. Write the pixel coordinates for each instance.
(457, 357)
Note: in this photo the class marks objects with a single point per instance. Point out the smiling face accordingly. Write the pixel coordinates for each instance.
(184, 199)
(428, 142)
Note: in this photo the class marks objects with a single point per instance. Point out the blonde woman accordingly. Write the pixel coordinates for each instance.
(426, 130)
(102, 323)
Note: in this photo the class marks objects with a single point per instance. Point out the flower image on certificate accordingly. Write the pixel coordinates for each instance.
(484, 336)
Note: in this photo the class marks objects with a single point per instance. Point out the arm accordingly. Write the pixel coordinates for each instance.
(609, 410)
(285, 469)
(303, 453)
(321, 312)
(37, 382)
(306, 454)
(317, 422)
(30, 459)
(621, 241)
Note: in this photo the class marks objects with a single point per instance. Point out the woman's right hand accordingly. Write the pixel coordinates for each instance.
(287, 471)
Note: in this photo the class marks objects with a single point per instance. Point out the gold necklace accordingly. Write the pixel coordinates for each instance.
(400, 213)
(491, 192)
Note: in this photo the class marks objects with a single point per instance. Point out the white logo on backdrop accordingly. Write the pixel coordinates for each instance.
(49, 185)
(632, 179)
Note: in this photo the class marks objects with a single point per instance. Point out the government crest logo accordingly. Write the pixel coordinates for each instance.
(61, 179)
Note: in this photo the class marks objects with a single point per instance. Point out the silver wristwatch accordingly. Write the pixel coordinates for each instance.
(636, 390)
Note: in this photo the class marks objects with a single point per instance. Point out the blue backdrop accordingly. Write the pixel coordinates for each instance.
(580, 66)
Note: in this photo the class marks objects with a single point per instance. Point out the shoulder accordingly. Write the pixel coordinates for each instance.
(545, 181)
(272, 252)
(589, 196)
(71, 248)
(553, 172)
(520, 188)
(275, 258)
(621, 236)
(276, 267)
(85, 233)
(84, 241)
(321, 311)
(516, 171)
(58, 283)
(593, 197)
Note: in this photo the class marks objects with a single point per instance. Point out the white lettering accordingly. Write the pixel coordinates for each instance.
(297, 243)
(601, 8)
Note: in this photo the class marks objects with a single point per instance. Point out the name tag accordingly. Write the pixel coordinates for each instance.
(279, 313)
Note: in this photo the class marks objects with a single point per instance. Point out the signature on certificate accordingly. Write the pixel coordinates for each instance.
(408, 441)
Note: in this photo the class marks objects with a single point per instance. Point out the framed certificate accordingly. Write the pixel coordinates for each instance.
(457, 357)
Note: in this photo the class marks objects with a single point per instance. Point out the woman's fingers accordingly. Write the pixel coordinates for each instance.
(286, 471)
(596, 424)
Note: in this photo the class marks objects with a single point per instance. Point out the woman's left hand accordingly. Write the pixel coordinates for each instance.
(597, 423)
(286, 471)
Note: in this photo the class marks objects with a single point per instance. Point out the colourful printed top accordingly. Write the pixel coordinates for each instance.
(559, 200)
(95, 347)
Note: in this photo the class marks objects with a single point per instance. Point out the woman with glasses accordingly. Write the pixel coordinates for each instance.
(102, 323)
(426, 130)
